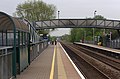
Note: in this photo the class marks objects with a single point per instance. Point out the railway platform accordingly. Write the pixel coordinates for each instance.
(52, 63)
(104, 50)
(100, 47)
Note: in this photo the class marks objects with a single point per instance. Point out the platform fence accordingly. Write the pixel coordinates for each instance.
(6, 62)
(37, 48)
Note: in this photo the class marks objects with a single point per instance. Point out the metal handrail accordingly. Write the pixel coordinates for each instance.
(6, 48)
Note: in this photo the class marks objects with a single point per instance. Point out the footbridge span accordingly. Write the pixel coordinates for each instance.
(77, 23)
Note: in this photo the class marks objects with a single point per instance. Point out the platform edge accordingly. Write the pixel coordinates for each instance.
(80, 74)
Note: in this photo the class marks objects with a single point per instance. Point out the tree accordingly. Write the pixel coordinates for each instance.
(36, 10)
(100, 31)
(85, 33)
(99, 17)
(66, 38)
(73, 34)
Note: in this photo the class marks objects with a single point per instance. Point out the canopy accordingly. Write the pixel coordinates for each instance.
(10, 23)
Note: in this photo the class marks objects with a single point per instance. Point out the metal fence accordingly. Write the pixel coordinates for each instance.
(115, 44)
(6, 62)
(37, 48)
(111, 44)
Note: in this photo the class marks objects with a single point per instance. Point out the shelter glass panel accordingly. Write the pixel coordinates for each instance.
(0, 39)
(4, 39)
(10, 38)
(1, 65)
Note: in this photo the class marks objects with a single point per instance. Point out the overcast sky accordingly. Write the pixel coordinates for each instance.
(73, 8)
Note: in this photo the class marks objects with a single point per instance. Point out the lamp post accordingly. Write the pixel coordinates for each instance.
(95, 13)
(84, 36)
(93, 28)
(58, 14)
(58, 17)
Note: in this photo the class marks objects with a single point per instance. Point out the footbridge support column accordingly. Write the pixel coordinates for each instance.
(118, 32)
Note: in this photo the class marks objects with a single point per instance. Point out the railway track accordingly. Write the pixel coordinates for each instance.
(115, 63)
(93, 65)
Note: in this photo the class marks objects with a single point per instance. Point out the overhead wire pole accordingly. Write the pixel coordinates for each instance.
(94, 28)
(58, 14)
(58, 17)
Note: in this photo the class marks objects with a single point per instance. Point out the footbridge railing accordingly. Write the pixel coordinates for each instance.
(77, 23)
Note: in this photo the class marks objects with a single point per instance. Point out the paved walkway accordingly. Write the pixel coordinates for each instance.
(41, 67)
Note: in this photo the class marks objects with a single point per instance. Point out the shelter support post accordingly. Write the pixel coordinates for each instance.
(18, 51)
(29, 48)
(14, 55)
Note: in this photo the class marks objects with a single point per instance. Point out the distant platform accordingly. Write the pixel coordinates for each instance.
(100, 47)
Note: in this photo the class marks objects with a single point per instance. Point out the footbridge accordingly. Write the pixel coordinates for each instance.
(77, 23)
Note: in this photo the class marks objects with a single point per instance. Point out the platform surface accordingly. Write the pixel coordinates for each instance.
(40, 68)
(52, 63)
(100, 47)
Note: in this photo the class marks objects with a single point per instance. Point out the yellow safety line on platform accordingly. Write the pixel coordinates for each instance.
(60, 65)
(53, 64)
